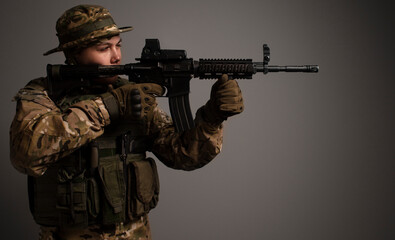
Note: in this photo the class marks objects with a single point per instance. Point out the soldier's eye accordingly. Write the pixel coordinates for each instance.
(102, 49)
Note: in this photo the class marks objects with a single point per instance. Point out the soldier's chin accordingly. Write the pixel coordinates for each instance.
(106, 80)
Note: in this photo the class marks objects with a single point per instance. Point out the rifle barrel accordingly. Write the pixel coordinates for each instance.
(260, 67)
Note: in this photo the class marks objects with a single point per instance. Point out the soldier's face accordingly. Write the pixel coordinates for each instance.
(107, 52)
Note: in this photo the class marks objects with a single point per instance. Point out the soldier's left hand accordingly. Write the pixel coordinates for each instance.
(226, 100)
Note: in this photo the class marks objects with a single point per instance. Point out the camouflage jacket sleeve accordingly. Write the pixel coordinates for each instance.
(189, 150)
(41, 133)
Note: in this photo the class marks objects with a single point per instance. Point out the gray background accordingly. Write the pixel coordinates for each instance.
(312, 156)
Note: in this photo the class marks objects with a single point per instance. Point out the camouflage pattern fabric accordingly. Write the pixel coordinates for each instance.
(83, 25)
(41, 133)
(137, 230)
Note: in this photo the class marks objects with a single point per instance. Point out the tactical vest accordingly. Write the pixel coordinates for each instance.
(107, 181)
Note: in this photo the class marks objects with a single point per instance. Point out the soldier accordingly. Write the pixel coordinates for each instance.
(85, 152)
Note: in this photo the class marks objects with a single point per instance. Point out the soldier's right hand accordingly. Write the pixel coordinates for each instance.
(132, 101)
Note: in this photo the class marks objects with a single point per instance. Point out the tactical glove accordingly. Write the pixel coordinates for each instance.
(225, 101)
(132, 101)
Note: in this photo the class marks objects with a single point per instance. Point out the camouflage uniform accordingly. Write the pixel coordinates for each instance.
(42, 134)
(48, 135)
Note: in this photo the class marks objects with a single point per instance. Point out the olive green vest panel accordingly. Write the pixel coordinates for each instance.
(72, 193)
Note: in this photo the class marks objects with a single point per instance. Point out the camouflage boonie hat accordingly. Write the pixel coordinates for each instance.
(83, 25)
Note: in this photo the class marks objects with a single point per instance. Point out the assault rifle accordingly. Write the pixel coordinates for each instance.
(168, 68)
